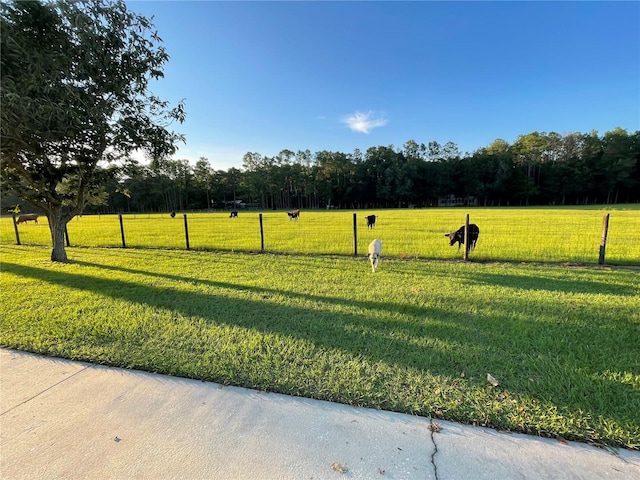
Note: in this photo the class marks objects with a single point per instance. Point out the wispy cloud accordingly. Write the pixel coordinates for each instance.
(364, 122)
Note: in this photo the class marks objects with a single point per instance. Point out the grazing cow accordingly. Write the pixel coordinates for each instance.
(294, 215)
(375, 249)
(458, 236)
(371, 221)
(27, 218)
(233, 214)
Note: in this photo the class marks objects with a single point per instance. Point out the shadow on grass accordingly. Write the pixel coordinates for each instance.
(552, 284)
(443, 341)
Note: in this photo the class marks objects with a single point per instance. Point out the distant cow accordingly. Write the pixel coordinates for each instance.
(371, 221)
(375, 249)
(458, 236)
(294, 215)
(27, 218)
(233, 214)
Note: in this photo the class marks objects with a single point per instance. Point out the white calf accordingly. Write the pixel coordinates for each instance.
(375, 248)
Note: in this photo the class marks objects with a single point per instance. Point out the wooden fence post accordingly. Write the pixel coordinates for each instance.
(466, 238)
(355, 235)
(15, 227)
(261, 234)
(603, 238)
(186, 230)
(124, 245)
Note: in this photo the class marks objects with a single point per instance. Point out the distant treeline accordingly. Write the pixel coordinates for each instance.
(537, 169)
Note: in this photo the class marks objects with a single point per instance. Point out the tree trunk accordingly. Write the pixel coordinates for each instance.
(57, 226)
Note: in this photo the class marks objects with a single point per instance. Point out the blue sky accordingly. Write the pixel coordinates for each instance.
(267, 76)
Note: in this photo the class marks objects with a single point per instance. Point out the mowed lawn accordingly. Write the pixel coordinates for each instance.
(418, 336)
(556, 235)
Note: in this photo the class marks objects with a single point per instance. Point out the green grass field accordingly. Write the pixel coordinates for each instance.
(556, 235)
(418, 336)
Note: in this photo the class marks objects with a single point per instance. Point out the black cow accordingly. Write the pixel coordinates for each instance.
(294, 215)
(233, 214)
(458, 236)
(371, 221)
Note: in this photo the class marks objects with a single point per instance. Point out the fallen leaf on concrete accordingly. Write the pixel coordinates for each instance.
(562, 440)
(380, 471)
(339, 468)
(492, 380)
(434, 427)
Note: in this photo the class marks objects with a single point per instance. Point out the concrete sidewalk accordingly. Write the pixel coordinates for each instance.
(72, 420)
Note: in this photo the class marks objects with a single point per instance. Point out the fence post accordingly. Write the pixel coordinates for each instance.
(124, 245)
(15, 227)
(355, 235)
(603, 238)
(466, 238)
(186, 230)
(261, 234)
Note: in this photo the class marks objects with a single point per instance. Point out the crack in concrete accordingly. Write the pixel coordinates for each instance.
(45, 390)
(433, 428)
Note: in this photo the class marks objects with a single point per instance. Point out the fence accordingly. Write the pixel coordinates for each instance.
(506, 234)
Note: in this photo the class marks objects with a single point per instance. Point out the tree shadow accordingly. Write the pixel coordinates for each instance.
(554, 284)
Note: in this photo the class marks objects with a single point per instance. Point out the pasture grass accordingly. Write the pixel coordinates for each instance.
(539, 234)
(417, 336)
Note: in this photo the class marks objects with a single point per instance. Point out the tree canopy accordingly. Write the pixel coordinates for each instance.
(537, 169)
(75, 98)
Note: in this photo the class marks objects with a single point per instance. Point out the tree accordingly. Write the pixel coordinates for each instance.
(75, 98)
(171, 180)
(620, 158)
(203, 179)
(334, 175)
(231, 183)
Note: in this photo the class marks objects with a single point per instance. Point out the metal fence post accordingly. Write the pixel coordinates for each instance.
(15, 227)
(124, 245)
(603, 238)
(261, 234)
(355, 235)
(466, 238)
(186, 230)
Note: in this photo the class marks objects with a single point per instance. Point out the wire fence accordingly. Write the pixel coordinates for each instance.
(557, 235)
